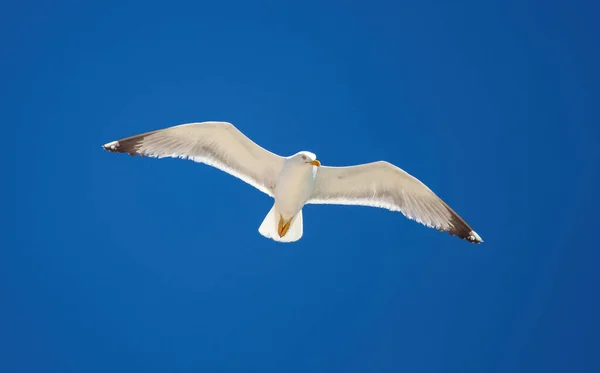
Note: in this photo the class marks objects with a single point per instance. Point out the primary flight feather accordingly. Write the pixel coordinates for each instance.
(298, 179)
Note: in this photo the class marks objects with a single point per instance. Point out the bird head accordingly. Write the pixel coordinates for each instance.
(306, 158)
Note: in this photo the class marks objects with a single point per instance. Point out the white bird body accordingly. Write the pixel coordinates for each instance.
(299, 179)
(294, 187)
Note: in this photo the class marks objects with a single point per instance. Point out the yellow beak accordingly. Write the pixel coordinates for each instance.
(315, 163)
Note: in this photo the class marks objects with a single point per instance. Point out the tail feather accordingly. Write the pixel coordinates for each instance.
(269, 226)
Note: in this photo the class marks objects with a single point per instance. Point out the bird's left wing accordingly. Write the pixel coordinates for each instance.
(217, 144)
(381, 184)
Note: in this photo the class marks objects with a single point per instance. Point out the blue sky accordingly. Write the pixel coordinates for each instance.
(118, 263)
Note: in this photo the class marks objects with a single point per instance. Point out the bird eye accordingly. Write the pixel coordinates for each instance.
(304, 157)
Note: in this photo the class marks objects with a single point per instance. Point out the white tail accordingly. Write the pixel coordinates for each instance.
(269, 226)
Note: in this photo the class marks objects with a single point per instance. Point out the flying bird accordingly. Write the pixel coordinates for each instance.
(298, 179)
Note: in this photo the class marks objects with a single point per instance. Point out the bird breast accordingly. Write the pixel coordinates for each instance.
(294, 187)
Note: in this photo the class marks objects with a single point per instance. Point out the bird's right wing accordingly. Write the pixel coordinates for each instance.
(217, 144)
(381, 184)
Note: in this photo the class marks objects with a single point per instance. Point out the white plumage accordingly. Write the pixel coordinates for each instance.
(298, 179)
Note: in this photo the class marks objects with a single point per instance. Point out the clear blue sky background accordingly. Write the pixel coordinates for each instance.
(111, 263)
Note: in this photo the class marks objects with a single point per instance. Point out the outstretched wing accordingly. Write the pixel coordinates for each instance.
(217, 144)
(381, 184)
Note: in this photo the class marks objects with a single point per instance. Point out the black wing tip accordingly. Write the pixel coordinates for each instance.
(128, 145)
(470, 236)
(122, 146)
(459, 228)
(112, 146)
(474, 238)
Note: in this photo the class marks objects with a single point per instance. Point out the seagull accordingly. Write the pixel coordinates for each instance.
(297, 180)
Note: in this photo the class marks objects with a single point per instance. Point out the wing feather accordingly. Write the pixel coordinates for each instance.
(381, 184)
(217, 144)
